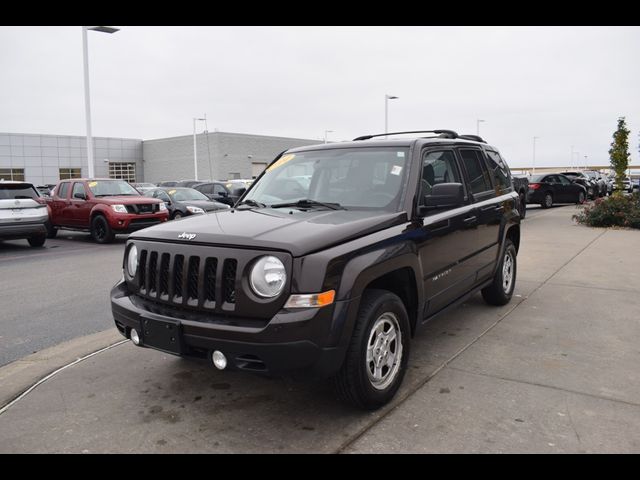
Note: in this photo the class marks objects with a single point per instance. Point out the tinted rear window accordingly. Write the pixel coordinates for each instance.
(8, 192)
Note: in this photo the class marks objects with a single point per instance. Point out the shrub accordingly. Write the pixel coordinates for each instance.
(614, 211)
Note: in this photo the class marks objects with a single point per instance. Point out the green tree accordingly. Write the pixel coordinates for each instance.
(619, 152)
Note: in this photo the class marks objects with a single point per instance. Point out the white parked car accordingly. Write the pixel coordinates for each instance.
(23, 214)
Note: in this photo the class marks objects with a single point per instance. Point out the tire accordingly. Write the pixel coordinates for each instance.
(359, 382)
(548, 200)
(581, 197)
(51, 230)
(101, 231)
(177, 216)
(37, 241)
(523, 205)
(501, 289)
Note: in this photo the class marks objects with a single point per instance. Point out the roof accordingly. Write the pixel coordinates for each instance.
(393, 142)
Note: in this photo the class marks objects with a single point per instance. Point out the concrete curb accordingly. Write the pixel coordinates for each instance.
(18, 376)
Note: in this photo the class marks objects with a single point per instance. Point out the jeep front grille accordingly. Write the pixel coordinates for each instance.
(188, 281)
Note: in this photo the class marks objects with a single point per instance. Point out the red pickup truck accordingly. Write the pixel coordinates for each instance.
(103, 207)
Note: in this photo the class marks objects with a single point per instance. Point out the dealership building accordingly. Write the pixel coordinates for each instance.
(43, 159)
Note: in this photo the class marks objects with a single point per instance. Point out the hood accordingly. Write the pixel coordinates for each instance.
(297, 232)
(127, 200)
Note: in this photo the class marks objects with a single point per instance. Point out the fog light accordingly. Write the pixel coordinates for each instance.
(135, 338)
(219, 360)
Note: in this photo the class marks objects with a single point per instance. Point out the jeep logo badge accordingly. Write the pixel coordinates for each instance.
(187, 236)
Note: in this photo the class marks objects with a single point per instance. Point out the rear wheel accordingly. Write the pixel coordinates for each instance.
(37, 241)
(504, 281)
(51, 230)
(377, 357)
(581, 197)
(101, 231)
(548, 200)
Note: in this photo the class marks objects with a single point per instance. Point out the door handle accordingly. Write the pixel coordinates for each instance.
(500, 209)
(470, 220)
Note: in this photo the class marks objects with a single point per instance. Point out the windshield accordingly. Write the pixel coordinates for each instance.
(368, 178)
(8, 192)
(108, 188)
(186, 194)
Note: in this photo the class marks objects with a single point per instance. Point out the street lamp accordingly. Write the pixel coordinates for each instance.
(386, 111)
(325, 134)
(571, 162)
(534, 154)
(87, 104)
(195, 148)
(478, 126)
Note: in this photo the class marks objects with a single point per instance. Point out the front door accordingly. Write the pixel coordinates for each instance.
(80, 208)
(449, 236)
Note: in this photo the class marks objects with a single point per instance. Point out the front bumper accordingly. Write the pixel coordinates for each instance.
(291, 340)
(128, 223)
(22, 230)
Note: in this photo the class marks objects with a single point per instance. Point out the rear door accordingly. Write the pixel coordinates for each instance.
(570, 190)
(489, 209)
(60, 204)
(449, 235)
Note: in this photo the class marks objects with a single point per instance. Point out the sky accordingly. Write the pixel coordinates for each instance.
(565, 85)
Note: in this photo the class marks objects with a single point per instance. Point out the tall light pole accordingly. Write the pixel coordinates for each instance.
(386, 111)
(586, 165)
(87, 103)
(195, 148)
(534, 154)
(325, 134)
(478, 126)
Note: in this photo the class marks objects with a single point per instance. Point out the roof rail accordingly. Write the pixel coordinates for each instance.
(475, 138)
(442, 133)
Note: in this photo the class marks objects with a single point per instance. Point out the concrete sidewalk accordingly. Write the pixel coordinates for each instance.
(556, 370)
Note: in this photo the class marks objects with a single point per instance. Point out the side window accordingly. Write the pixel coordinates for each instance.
(499, 171)
(218, 189)
(206, 188)
(477, 172)
(564, 180)
(163, 196)
(62, 191)
(78, 188)
(438, 167)
(551, 179)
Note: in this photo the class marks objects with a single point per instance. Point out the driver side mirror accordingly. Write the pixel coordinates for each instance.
(239, 191)
(79, 195)
(443, 195)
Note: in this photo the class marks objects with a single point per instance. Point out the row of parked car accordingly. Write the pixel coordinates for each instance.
(571, 187)
(105, 207)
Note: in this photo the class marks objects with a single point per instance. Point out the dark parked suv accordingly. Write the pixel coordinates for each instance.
(332, 280)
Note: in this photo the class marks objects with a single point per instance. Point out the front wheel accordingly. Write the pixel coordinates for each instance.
(504, 281)
(101, 231)
(523, 204)
(51, 230)
(377, 357)
(581, 198)
(177, 216)
(548, 201)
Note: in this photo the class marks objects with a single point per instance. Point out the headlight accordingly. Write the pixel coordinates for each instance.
(132, 261)
(268, 277)
(195, 209)
(163, 207)
(119, 208)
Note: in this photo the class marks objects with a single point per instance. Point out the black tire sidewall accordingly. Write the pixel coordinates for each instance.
(37, 241)
(549, 204)
(108, 237)
(509, 247)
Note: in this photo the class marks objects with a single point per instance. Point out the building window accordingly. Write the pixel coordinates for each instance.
(123, 171)
(67, 173)
(16, 174)
(234, 175)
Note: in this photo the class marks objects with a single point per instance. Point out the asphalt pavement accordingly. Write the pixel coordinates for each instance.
(553, 371)
(55, 293)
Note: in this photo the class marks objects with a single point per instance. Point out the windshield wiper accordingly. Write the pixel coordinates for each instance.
(308, 203)
(252, 203)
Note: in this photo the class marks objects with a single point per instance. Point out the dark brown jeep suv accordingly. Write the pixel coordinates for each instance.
(330, 262)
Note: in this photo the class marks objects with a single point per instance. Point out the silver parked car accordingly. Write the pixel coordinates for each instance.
(22, 213)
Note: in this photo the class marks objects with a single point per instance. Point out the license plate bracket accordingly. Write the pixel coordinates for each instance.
(162, 334)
